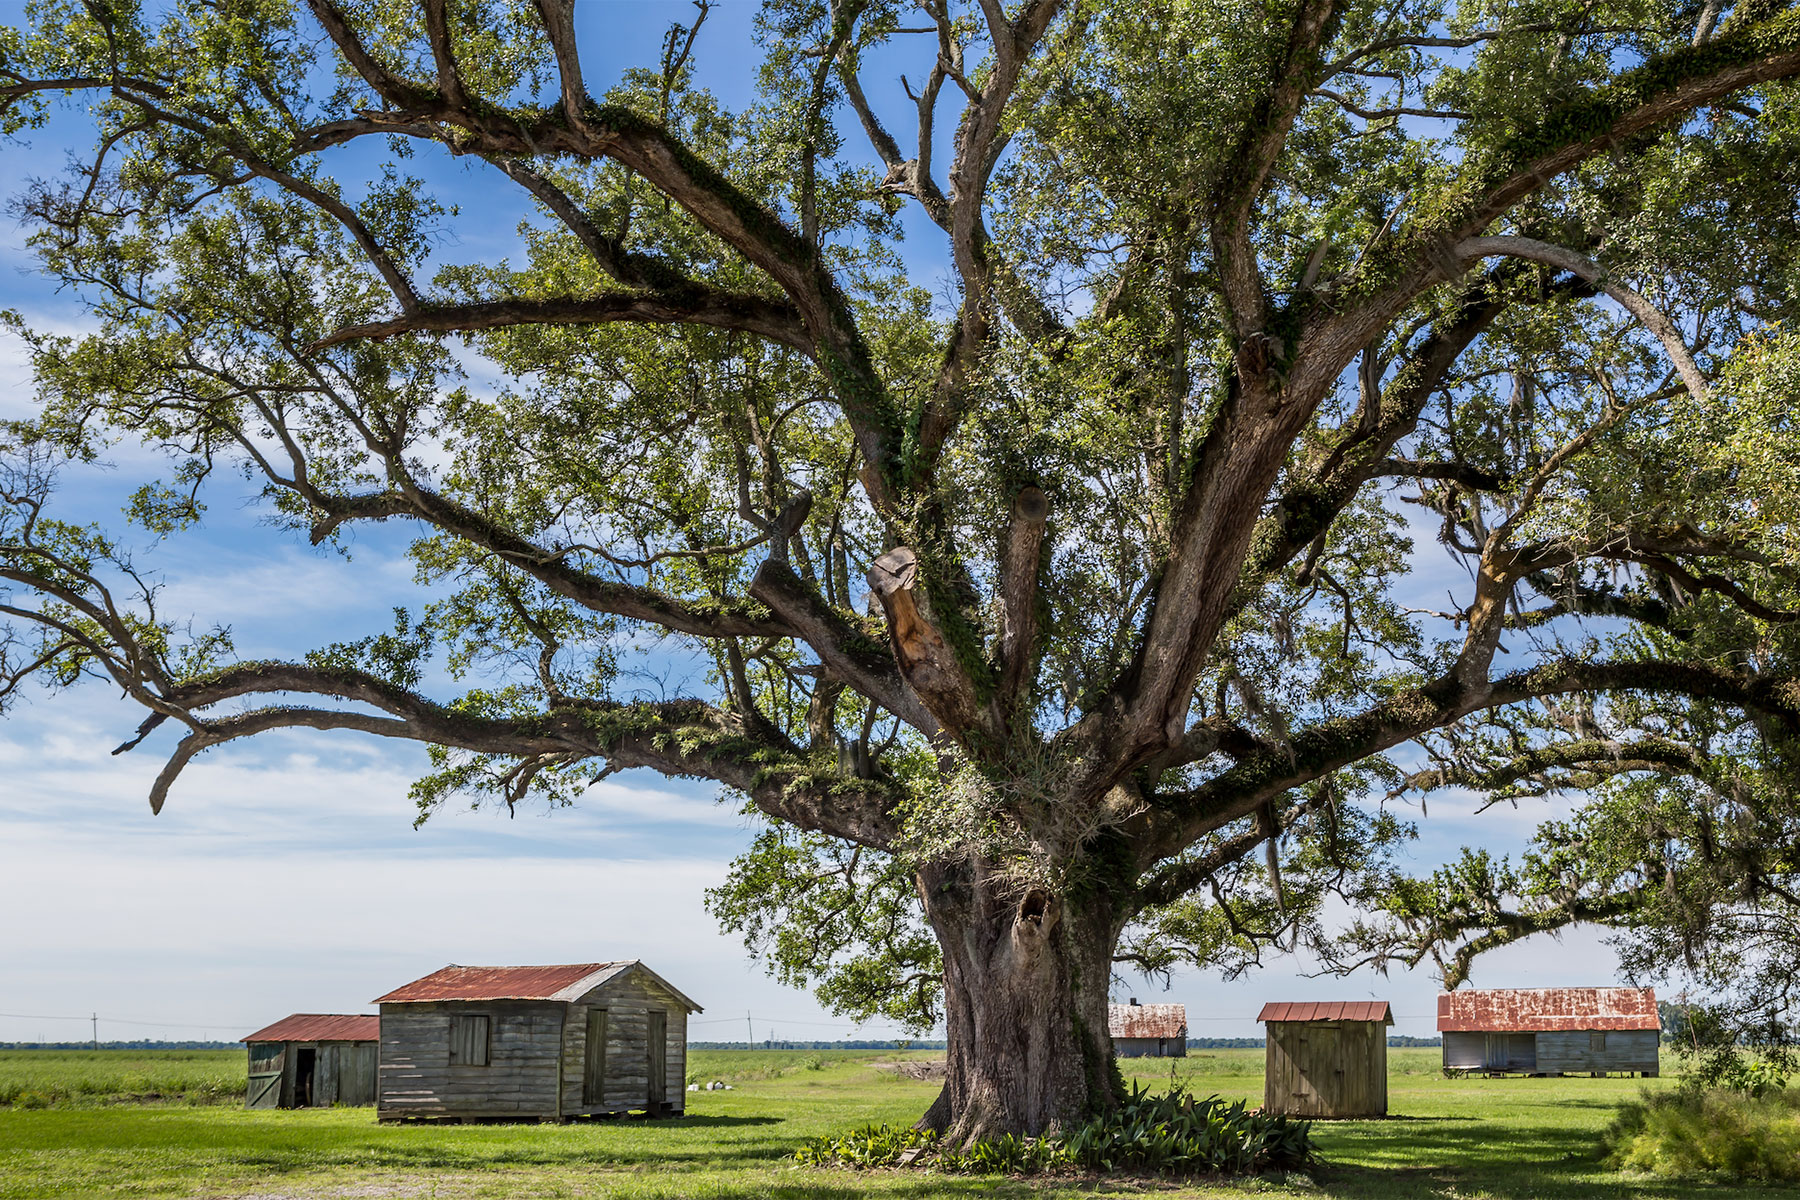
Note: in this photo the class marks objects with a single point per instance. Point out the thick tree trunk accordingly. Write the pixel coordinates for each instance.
(1025, 983)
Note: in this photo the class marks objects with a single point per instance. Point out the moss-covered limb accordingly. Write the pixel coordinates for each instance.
(650, 151)
(1308, 508)
(1295, 72)
(951, 680)
(1174, 879)
(1500, 927)
(1492, 181)
(1572, 598)
(678, 737)
(1182, 819)
(1581, 763)
(392, 88)
(844, 645)
(730, 618)
(711, 307)
(980, 138)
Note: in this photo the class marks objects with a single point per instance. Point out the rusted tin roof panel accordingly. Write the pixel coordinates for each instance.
(1541, 1010)
(320, 1027)
(497, 983)
(1327, 1010)
(1147, 1020)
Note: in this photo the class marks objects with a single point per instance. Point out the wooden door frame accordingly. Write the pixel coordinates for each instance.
(656, 1061)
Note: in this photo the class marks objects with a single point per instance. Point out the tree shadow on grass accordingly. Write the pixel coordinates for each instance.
(1491, 1159)
(691, 1121)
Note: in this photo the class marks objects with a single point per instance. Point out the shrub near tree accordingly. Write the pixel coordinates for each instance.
(1055, 600)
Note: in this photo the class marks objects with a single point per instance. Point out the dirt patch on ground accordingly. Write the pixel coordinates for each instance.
(930, 1070)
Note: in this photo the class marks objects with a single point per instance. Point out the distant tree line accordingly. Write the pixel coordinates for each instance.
(141, 1044)
(1256, 1043)
(784, 1044)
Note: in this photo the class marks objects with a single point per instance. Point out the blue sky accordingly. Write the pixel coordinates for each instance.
(285, 874)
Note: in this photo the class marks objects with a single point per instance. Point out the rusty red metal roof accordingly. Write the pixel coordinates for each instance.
(1147, 1020)
(499, 983)
(320, 1027)
(1327, 1010)
(1537, 1010)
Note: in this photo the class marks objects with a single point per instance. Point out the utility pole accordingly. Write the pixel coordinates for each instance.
(95, 1018)
(749, 1032)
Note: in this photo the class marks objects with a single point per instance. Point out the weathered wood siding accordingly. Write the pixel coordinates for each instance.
(1552, 1053)
(343, 1073)
(1326, 1068)
(627, 1001)
(1480, 1050)
(1465, 1050)
(350, 1069)
(1150, 1047)
(521, 1079)
(1579, 1050)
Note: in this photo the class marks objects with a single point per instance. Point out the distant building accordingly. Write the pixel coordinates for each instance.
(1148, 1030)
(1550, 1031)
(1326, 1059)
(313, 1060)
(533, 1043)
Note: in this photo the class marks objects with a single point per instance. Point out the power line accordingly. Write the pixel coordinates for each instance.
(95, 1018)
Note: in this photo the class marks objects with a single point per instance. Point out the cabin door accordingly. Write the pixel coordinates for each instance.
(593, 1077)
(659, 1060)
(265, 1076)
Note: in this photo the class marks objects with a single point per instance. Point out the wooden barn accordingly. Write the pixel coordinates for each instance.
(1550, 1031)
(1326, 1059)
(313, 1060)
(533, 1043)
(1148, 1030)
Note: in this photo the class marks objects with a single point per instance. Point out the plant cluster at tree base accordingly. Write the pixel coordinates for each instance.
(1170, 1134)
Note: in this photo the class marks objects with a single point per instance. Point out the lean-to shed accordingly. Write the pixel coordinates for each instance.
(1148, 1030)
(1326, 1059)
(533, 1043)
(313, 1060)
(1550, 1031)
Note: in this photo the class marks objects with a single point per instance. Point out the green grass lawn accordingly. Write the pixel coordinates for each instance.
(1461, 1139)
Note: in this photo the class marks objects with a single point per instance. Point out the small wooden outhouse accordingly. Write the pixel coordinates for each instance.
(533, 1044)
(1148, 1030)
(313, 1060)
(1326, 1059)
(1550, 1031)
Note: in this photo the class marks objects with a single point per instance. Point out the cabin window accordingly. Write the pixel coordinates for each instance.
(1597, 1039)
(469, 1040)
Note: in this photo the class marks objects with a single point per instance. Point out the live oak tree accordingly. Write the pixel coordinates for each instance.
(1050, 566)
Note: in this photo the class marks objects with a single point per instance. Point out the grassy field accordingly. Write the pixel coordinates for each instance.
(1450, 1139)
(40, 1078)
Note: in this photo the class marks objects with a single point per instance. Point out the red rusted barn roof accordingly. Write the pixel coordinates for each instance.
(1536, 1010)
(496, 983)
(567, 982)
(1147, 1020)
(320, 1027)
(1327, 1010)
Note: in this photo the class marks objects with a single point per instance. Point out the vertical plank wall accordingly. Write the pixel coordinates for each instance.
(1572, 1051)
(520, 1079)
(1326, 1068)
(627, 1000)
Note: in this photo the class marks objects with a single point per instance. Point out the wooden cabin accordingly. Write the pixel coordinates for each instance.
(313, 1060)
(1326, 1059)
(1148, 1030)
(533, 1044)
(1550, 1031)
